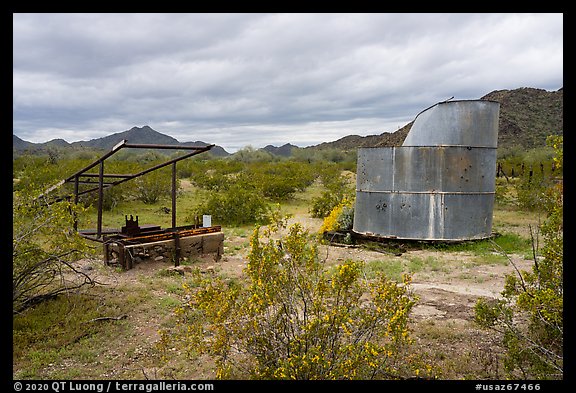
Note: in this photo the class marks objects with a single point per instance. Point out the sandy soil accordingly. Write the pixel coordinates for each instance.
(447, 295)
(444, 293)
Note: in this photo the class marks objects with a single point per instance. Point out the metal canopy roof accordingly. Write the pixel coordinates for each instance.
(82, 177)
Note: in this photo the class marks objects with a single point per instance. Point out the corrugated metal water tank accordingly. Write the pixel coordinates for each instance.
(440, 184)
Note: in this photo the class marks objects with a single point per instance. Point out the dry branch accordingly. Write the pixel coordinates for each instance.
(107, 318)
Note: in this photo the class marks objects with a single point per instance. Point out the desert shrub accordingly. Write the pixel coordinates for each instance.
(238, 205)
(42, 171)
(533, 184)
(530, 189)
(293, 319)
(44, 247)
(505, 194)
(556, 142)
(149, 188)
(215, 175)
(336, 192)
(277, 180)
(530, 314)
(341, 218)
(280, 180)
(250, 154)
(190, 166)
(112, 196)
(323, 205)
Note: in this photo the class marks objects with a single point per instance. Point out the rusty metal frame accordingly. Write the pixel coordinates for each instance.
(78, 177)
(146, 233)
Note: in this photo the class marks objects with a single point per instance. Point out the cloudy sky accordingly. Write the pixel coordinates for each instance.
(241, 80)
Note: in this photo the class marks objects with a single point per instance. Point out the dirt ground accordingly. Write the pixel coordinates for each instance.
(442, 325)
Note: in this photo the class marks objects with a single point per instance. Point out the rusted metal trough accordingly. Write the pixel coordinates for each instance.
(134, 242)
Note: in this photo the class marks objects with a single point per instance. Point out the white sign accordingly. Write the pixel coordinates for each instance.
(206, 221)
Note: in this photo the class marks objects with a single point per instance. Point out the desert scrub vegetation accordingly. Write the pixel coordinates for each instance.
(40, 333)
(528, 174)
(44, 247)
(337, 191)
(341, 218)
(529, 317)
(243, 194)
(293, 319)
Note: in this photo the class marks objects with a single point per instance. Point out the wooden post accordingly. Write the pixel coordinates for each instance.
(121, 256)
(106, 252)
(176, 249)
(127, 258)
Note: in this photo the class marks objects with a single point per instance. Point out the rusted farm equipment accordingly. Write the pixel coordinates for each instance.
(132, 236)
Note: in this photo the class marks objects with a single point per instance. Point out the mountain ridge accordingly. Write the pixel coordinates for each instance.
(144, 135)
(284, 151)
(527, 116)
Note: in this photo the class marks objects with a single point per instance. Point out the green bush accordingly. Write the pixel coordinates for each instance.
(293, 319)
(530, 189)
(44, 247)
(281, 180)
(112, 197)
(341, 218)
(149, 188)
(274, 180)
(530, 316)
(237, 206)
(336, 192)
(215, 175)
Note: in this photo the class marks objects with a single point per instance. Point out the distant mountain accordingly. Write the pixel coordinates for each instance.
(145, 135)
(57, 143)
(19, 144)
(217, 151)
(350, 142)
(527, 117)
(134, 135)
(283, 151)
(22, 145)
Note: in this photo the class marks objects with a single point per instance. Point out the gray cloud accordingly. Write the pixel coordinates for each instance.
(254, 79)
